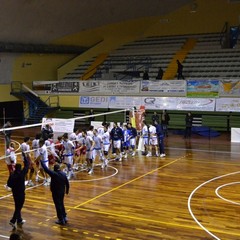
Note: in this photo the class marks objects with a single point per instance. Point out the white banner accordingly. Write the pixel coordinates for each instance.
(163, 86)
(196, 104)
(93, 102)
(60, 124)
(124, 102)
(180, 103)
(120, 87)
(228, 105)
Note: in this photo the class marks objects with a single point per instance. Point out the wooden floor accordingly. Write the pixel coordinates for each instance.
(193, 193)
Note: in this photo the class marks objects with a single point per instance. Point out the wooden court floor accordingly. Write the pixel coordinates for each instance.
(192, 193)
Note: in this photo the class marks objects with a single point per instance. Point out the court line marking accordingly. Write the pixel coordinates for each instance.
(225, 199)
(202, 150)
(97, 179)
(126, 183)
(3, 236)
(193, 192)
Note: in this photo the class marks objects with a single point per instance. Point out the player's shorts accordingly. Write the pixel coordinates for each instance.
(96, 152)
(145, 140)
(46, 162)
(89, 154)
(153, 141)
(106, 147)
(117, 144)
(68, 159)
(132, 141)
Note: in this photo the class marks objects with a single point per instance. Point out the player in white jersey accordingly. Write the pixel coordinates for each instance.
(88, 144)
(90, 131)
(43, 156)
(35, 147)
(97, 148)
(153, 143)
(25, 147)
(106, 146)
(52, 155)
(145, 136)
(11, 158)
(100, 130)
(68, 154)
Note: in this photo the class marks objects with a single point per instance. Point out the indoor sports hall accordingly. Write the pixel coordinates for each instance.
(93, 72)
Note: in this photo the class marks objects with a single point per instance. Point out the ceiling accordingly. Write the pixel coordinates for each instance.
(43, 21)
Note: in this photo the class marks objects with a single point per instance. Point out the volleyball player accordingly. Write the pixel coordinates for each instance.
(88, 143)
(145, 136)
(35, 147)
(43, 156)
(25, 147)
(133, 135)
(116, 136)
(106, 146)
(126, 140)
(68, 153)
(153, 143)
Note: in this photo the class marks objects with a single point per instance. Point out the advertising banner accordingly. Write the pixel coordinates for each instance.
(179, 103)
(229, 88)
(228, 105)
(202, 88)
(90, 86)
(124, 102)
(163, 86)
(93, 102)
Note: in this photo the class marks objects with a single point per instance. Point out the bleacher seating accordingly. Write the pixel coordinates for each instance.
(206, 60)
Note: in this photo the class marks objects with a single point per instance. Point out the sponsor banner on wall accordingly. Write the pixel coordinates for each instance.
(202, 88)
(228, 104)
(163, 86)
(124, 102)
(229, 88)
(90, 86)
(120, 87)
(196, 104)
(160, 102)
(93, 101)
(180, 103)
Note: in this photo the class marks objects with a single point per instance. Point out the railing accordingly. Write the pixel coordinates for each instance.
(145, 63)
(52, 101)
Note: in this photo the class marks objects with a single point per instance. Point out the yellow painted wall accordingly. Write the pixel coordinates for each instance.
(5, 95)
(65, 100)
(38, 67)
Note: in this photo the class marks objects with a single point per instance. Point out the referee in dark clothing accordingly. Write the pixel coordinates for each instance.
(16, 182)
(59, 185)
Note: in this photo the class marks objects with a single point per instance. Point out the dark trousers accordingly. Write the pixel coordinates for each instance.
(19, 201)
(161, 145)
(188, 132)
(58, 199)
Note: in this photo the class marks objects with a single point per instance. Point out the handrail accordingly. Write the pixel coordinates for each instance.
(132, 62)
(29, 90)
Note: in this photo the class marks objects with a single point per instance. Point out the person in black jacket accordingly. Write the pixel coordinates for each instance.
(188, 121)
(179, 70)
(16, 182)
(59, 185)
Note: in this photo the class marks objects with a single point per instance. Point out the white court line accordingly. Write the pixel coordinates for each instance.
(202, 150)
(98, 179)
(191, 195)
(2, 236)
(225, 199)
